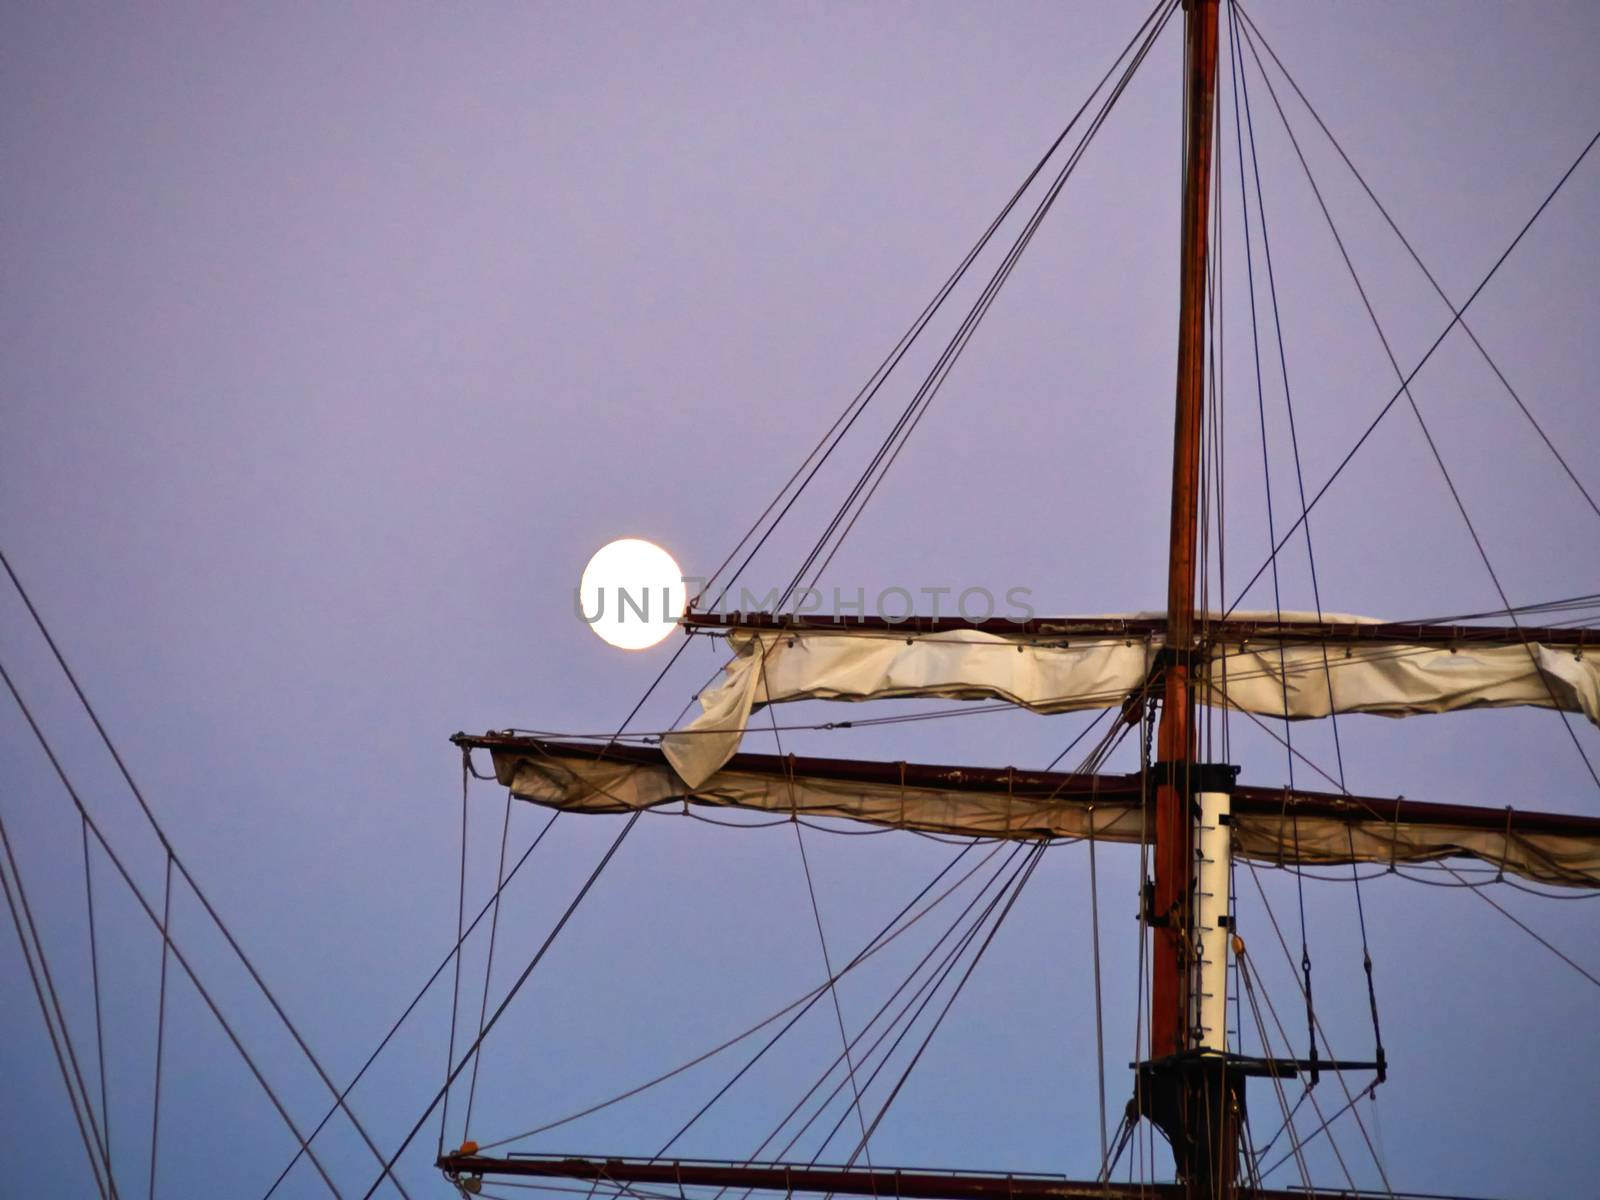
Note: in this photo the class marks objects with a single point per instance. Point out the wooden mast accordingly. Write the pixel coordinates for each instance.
(1198, 1113)
(1175, 742)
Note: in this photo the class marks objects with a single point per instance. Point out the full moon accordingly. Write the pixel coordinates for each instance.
(631, 593)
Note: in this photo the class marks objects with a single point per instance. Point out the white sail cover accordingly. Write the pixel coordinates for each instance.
(1286, 678)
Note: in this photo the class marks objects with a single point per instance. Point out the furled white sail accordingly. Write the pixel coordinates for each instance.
(1285, 677)
(1298, 828)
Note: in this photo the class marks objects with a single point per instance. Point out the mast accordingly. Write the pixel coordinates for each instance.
(1175, 741)
(1183, 1089)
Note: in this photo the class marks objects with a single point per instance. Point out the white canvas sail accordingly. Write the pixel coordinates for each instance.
(1298, 828)
(1283, 677)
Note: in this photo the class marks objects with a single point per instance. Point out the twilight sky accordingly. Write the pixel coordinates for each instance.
(336, 338)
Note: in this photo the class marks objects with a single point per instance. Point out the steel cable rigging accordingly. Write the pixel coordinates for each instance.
(1241, 120)
(1253, 35)
(841, 1057)
(888, 451)
(1421, 362)
(50, 1010)
(160, 925)
(1422, 424)
(847, 418)
(177, 861)
(889, 933)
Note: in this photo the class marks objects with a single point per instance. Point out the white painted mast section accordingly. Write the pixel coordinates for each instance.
(1212, 887)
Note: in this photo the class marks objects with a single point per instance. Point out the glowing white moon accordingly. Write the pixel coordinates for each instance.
(631, 594)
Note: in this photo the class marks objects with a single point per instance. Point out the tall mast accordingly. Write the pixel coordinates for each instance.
(1186, 1089)
(1175, 742)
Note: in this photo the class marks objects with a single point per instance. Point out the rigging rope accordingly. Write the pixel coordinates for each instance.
(833, 990)
(55, 1004)
(816, 911)
(1315, 1133)
(839, 1058)
(1261, 1154)
(90, 1145)
(1366, 956)
(884, 937)
(875, 382)
(127, 877)
(453, 955)
(1242, 79)
(415, 1000)
(1477, 890)
(1433, 448)
(1030, 864)
(1423, 361)
(443, 1093)
(161, 1027)
(1141, 1032)
(1254, 34)
(455, 990)
(1277, 1082)
(1339, 1075)
(889, 451)
(177, 861)
(499, 1011)
(1378, 1054)
(942, 972)
(488, 966)
(1241, 118)
(1083, 734)
(1588, 604)
(924, 992)
(1099, 1007)
(94, 977)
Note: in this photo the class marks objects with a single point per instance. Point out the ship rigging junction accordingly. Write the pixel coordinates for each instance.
(1191, 786)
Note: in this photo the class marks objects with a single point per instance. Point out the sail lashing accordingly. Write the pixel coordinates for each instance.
(1295, 828)
(1294, 666)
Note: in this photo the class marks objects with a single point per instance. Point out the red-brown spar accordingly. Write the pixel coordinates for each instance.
(803, 1179)
(1275, 825)
(1230, 630)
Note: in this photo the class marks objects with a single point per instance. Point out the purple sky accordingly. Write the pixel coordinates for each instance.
(336, 338)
